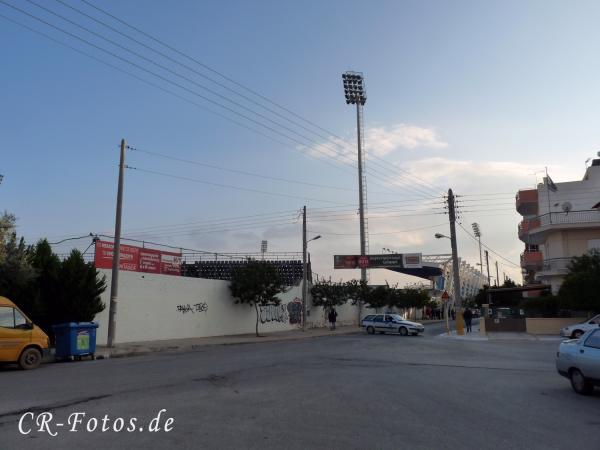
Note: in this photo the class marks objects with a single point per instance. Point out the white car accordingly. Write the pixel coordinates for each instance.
(579, 361)
(575, 331)
(391, 323)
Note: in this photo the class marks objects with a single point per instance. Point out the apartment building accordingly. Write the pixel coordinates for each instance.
(560, 221)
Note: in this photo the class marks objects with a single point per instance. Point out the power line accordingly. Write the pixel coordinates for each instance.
(205, 66)
(379, 234)
(241, 172)
(228, 186)
(270, 128)
(487, 247)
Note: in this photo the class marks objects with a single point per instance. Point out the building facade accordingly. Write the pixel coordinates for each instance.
(560, 221)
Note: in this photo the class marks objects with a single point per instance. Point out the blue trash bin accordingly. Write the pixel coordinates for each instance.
(75, 339)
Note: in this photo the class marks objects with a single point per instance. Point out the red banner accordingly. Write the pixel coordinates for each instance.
(138, 259)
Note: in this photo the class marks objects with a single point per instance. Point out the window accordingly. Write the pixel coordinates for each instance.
(378, 318)
(20, 320)
(593, 340)
(7, 317)
(369, 317)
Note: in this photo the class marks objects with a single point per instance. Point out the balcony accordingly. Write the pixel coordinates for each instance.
(526, 226)
(532, 260)
(535, 231)
(527, 202)
(553, 267)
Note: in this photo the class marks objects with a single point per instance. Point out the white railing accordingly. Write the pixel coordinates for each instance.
(571, 217)
(556, 265)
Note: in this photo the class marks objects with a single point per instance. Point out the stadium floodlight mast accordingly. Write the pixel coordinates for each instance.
(354, 91)
(477, 232)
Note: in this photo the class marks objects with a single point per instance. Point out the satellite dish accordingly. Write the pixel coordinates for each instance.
(566, 207)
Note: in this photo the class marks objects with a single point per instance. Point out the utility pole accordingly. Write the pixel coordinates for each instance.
(487, 263)
(114, 281)
(497, 275)
(456, 276)
(304, 274)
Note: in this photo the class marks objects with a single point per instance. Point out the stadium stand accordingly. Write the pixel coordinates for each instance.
(290, 270)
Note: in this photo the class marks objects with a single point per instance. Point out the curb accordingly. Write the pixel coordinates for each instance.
(108, 354)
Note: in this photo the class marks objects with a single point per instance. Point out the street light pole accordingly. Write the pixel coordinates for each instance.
(305, 268)
(304, 274)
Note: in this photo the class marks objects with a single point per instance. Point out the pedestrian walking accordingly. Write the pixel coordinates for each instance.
(332, 318)
(468, 316)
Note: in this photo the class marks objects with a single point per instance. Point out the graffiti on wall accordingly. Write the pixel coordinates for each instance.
(294, 309)
(195, 308)
(273, 313)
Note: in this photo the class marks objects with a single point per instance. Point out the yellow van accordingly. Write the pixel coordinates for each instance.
(21, 341)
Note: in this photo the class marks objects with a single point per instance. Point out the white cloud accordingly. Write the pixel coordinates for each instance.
(381, 141)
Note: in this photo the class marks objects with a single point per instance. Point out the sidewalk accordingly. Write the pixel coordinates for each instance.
(182, 345)
(500, 336)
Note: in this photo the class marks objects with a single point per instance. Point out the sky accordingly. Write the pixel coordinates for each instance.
(240, 120)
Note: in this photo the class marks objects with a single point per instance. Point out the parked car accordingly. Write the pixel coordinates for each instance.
(575, 331)
(579, 361)
(390, 323)
(21, 341)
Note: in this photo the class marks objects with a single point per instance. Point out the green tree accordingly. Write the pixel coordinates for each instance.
(79, 290)
(256, 283)
(379, 297)
(17, 276)
(581, 286)
(358, 290)
(329, 294)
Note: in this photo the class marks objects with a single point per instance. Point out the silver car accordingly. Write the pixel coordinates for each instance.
(390, 323)
(579, 360)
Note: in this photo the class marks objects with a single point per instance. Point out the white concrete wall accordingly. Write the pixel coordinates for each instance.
(156, 307)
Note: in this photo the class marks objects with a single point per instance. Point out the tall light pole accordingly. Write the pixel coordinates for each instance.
(354, 91)
(305, 267)
(477, 232)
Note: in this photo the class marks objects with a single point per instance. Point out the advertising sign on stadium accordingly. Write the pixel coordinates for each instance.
(138, 259)
(398, 261)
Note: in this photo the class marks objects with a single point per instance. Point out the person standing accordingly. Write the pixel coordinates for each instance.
(332, 318)
(468, 316)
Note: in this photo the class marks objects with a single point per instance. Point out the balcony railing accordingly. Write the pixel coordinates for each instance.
(526, 201)
(571, 217)
(556, 265)
(528, 224)
(531, 260)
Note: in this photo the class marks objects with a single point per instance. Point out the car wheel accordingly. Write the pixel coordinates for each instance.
(30, 358)
(403, 331)
(370, 330)
(576, 334)
(579, 383)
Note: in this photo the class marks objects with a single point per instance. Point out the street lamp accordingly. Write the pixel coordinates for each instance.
(354, 91)
(440, 235)
(305, 273)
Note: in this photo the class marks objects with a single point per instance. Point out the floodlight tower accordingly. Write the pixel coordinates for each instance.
(354, 90)
(477, 232)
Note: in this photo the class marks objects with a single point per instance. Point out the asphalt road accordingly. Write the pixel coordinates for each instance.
(346, 392)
